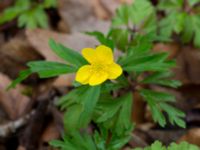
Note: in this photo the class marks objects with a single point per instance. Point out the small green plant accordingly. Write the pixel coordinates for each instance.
(181, 17)
(173, 146)
(103, 88)
(161, 22)
(29, 13)
(77, 141)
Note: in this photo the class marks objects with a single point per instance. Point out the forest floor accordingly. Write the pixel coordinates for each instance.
(28, 117)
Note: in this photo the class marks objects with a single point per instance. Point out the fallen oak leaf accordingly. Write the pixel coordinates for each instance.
(80, 15)
(192, 136)
(13, 101)
(100, 10)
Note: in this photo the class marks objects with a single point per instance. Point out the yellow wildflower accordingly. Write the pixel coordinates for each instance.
(101, 67)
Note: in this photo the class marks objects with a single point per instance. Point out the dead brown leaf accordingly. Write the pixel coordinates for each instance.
(171, 48)
(21, 148)
(138, 109)
(50, 133)
(14, 55)
(166, 136)
(80, 16)
(138, 139)
(127, 1)
(190, 96)
(13, 101)
(100, 10)
(111, 5)
(4, 4)
(192, 136)
(188, 62)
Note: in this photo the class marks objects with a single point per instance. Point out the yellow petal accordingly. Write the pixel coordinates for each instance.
(104, 54)
(83, 74)
(98, 78)
(114, 70)
(89, 54)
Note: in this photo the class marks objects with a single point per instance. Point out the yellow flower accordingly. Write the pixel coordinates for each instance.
(101, 67)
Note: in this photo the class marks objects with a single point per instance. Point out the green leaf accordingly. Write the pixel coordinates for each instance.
(24, 5)
(176, 20)
(124, 118)
(157, 103)
(151, 66)
(140, 11)
(160, 78)
(102, 39)
(72, 117)
(188, 33)
(156, 112)
(122, 16)
(149, 26)
(154, 146)
(143, 59)
(148, 62)
(174, 114)
(12, 12)
(158, 75)
(157, 96)
(75, 141)
(166, 25)
(120, 38)
(29, 17)
(83, 108)
(50, 3)
(169, 83)
(72, 97)
(157, 146)
(191, 29)
(27, 20)
(47, 69)
(133, 19)
(173, 146)
(69, 55)
(109, 113)
(9, 14)
(118, 110)
(193, 2)
(32, 18)
(109, 86)
(179, 24)
(170, 5)
(100, 138)
(85, 141)
(115, 142)
(22, 76)
(63, 145)
(89, 101)
(183, 146)
(41, 17)
(141, 45)
(118, 142)
(196, 24)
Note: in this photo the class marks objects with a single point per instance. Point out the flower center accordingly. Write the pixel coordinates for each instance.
(98, 67)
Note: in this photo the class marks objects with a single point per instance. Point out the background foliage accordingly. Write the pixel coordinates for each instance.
(29, 13)
(132, 32)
